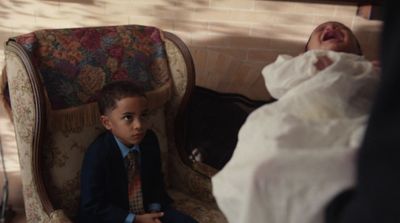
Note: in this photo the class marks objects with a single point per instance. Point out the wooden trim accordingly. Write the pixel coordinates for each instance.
(370, 11)
(40, 123)
(322, 1)
(364, 11)
(179, 128)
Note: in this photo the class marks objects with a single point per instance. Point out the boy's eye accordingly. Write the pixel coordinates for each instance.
(127, 118)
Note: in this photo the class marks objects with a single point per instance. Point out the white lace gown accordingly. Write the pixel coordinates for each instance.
(295, 155)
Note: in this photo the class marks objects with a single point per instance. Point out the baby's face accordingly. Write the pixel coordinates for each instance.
(333, 36)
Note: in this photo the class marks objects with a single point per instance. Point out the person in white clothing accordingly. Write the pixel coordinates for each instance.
(294, 155)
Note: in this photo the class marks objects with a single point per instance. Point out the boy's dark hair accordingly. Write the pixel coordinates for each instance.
(115, 91)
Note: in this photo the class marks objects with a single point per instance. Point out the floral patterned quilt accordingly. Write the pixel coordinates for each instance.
(75, 63)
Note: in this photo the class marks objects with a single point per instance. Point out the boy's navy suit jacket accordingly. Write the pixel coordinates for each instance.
(104, 185)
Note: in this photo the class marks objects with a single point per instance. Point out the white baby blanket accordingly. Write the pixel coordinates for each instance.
(295, 155)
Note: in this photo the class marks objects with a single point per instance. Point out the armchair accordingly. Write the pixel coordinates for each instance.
(53, 77)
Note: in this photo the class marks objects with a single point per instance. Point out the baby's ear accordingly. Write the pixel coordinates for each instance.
(105, 121)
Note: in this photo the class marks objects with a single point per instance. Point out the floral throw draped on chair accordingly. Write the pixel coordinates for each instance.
(74, 64)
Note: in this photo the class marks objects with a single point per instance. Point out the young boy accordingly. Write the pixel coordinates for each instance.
(121, 179)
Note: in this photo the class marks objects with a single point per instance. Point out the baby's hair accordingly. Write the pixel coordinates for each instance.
(115, 91)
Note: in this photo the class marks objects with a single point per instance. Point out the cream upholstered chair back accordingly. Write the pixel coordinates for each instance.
(53, 78)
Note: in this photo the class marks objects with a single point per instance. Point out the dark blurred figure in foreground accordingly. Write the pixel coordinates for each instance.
(377, 195)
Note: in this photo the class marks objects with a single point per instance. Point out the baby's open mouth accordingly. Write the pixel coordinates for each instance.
(332, 35)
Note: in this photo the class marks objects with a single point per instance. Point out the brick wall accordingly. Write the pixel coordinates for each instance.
(230, 40)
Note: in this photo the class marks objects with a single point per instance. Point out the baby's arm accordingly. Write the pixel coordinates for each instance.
(287, 72)
(322, 62)
(376, 63)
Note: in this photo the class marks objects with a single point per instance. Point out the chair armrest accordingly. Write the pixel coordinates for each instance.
(27, 113)
(58, 216)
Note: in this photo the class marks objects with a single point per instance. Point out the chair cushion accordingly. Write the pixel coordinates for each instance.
(202, 212)
(63, 151)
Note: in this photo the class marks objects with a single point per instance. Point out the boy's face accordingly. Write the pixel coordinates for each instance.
(333, 36)
(128, 121)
